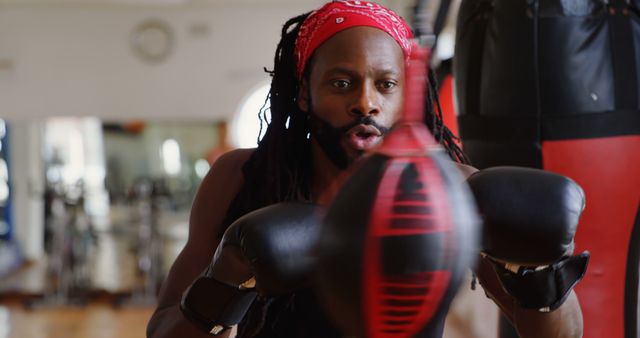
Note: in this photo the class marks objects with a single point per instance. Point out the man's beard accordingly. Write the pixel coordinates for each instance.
(330, 138)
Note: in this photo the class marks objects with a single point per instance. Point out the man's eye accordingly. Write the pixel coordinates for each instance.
(342, 84)
(388, 84)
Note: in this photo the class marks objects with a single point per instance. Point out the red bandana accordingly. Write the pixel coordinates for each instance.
(337, 16)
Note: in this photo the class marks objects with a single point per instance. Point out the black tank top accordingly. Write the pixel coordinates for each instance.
(293, 316)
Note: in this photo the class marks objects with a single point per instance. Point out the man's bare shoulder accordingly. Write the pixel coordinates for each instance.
(233, 160)
(216, 191)
(226, 170)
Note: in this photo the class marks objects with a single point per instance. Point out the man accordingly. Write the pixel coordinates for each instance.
(337, 88)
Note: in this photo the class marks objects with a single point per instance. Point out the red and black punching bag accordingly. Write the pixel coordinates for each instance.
(554, 85)
(398, 238)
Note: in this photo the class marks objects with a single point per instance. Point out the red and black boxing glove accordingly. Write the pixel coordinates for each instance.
(530, 219)
(266, 251)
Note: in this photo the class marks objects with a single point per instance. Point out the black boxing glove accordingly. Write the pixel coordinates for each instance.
(530, 219)
(266, 251)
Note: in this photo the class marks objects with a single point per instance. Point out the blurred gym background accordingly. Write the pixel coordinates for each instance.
(111, 113)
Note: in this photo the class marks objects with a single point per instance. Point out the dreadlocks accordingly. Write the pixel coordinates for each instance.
(434, 121)
(280, 167)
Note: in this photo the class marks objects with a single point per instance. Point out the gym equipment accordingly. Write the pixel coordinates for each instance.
(70, 245)
(555, 85)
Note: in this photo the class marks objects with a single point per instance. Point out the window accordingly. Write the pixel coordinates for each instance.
(245, 125)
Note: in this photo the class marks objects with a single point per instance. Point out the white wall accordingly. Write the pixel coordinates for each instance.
(77, 60)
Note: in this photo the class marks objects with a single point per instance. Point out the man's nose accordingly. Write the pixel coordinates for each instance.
(366, 101)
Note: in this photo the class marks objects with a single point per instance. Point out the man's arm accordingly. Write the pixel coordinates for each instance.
(565, 321)
(209, 208)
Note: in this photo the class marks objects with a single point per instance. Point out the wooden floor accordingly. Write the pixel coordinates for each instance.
(92, 321)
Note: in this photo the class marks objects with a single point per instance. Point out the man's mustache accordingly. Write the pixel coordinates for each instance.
(329, 137)
(364, 120)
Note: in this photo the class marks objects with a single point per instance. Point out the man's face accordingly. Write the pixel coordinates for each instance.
(354, 92)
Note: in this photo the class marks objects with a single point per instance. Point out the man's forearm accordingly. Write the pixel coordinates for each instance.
(565, 321)
(170, 323)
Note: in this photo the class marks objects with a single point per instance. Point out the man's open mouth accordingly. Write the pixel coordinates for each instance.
(363, 137)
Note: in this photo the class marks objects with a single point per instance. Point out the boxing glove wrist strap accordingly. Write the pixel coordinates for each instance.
(215, 306)
(543, 289)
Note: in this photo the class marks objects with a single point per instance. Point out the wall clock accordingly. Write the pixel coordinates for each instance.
(152, 40)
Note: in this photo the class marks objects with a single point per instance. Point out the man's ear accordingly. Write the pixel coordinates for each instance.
(303, 96)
